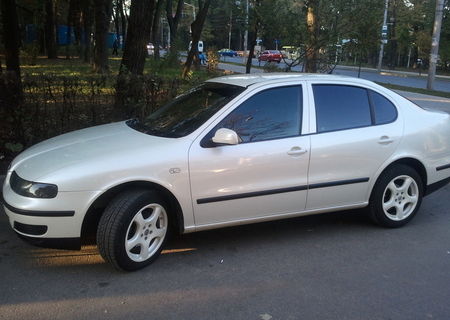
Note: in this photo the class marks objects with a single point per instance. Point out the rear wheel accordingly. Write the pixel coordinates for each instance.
(133, 229)
(396, 197)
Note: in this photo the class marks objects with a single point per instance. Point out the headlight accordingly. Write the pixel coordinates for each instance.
(32, 189)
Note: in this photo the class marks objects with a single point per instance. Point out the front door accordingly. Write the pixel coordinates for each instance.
(264, 175)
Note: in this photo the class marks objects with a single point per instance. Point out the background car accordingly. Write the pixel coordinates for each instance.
(270, 55)
(227, 53)
(234, 150)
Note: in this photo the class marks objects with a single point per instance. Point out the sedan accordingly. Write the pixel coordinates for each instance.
(270, 55)
(234, 150)
(227, 53)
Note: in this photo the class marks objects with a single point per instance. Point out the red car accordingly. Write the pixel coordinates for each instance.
(270, 55)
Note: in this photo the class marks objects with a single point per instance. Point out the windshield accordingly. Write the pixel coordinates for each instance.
(188, 111)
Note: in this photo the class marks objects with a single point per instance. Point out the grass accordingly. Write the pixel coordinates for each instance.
(76, 67)
(416, 90)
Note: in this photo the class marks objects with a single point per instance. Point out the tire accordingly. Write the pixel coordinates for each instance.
(396, 196)
(133, 229)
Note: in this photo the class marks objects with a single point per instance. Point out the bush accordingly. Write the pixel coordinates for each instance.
(29, 53)
(54, 104)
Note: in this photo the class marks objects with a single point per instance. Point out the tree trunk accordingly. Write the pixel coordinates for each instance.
(156, 29)
(253, 37)
(11, 36)
(312, 47)
(116, 19)
(50, 30)
(70, 24)
(138, 35)
(88, 21)
(102, 18)
(123, 20)
(196, 27)
(173, 21)
(11, 115)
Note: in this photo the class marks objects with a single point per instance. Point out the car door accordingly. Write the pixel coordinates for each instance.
(357, 130)
(264, 175)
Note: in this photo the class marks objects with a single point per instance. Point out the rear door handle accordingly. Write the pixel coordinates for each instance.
(296, 151)
(385, 140)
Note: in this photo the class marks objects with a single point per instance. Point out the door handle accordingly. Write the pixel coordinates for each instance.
(385, 140)
(296, 151)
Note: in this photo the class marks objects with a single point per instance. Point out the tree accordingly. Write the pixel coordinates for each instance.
(312, 44)
(173, 21)
(11, 36)
(435, 43)
(138, 35)
(253, 34)
(156, 28)
(196, 27)
(87, 21)
(102, 9)
(50, 29)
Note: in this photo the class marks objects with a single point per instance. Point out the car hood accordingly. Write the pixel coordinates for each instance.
(100, 144)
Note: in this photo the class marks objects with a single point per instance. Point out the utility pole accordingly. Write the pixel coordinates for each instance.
(435, 43)
(229, 30)
(383, 30)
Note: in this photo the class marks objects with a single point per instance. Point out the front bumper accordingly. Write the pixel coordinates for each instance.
(48, 222)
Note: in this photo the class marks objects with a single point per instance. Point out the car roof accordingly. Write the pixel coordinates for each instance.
(245, 80)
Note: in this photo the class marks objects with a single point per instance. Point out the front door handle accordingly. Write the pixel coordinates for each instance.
(296, 151)
(385, 140)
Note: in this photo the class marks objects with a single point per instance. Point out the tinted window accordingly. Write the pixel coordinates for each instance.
(271, 114)
(384, 110)
(341, 107)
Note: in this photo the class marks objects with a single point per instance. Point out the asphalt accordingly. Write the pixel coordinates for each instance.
(331, 266)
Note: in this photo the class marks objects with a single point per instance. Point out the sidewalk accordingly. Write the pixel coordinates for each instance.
(393, 72)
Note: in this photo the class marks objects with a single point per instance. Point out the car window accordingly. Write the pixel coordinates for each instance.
(188, 111)
(384, 110)
(341, 107)
(270, 114)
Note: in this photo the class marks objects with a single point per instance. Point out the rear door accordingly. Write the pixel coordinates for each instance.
(357, 130)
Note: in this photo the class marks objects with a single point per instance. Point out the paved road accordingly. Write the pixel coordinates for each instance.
(399, 78)
(331, 266)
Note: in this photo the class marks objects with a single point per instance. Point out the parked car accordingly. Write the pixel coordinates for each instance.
(270, 55)
(150, 49)
(227, 52)
(235, 150)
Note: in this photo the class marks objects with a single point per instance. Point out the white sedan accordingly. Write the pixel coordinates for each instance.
(235, 150)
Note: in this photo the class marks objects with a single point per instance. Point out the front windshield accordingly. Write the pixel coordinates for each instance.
(188, 111)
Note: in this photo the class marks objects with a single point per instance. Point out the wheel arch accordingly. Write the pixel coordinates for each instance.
(95, 211)
(414, 163)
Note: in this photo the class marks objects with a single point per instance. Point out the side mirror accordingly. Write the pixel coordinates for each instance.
(226, 136)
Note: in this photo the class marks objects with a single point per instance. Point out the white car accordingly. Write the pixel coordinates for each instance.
(235, 150)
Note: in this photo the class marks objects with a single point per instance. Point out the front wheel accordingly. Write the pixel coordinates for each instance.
(396, 196)
(133, 229)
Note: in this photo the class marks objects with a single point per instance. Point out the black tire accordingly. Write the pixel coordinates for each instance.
(119, 225)
(399, 204)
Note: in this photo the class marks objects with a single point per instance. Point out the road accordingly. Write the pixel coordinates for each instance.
(330, 266)
(407, 79)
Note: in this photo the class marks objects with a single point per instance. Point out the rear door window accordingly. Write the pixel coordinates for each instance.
(341, 107)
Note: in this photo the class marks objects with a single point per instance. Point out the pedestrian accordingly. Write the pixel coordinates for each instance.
(202, 58)
(115, 47)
